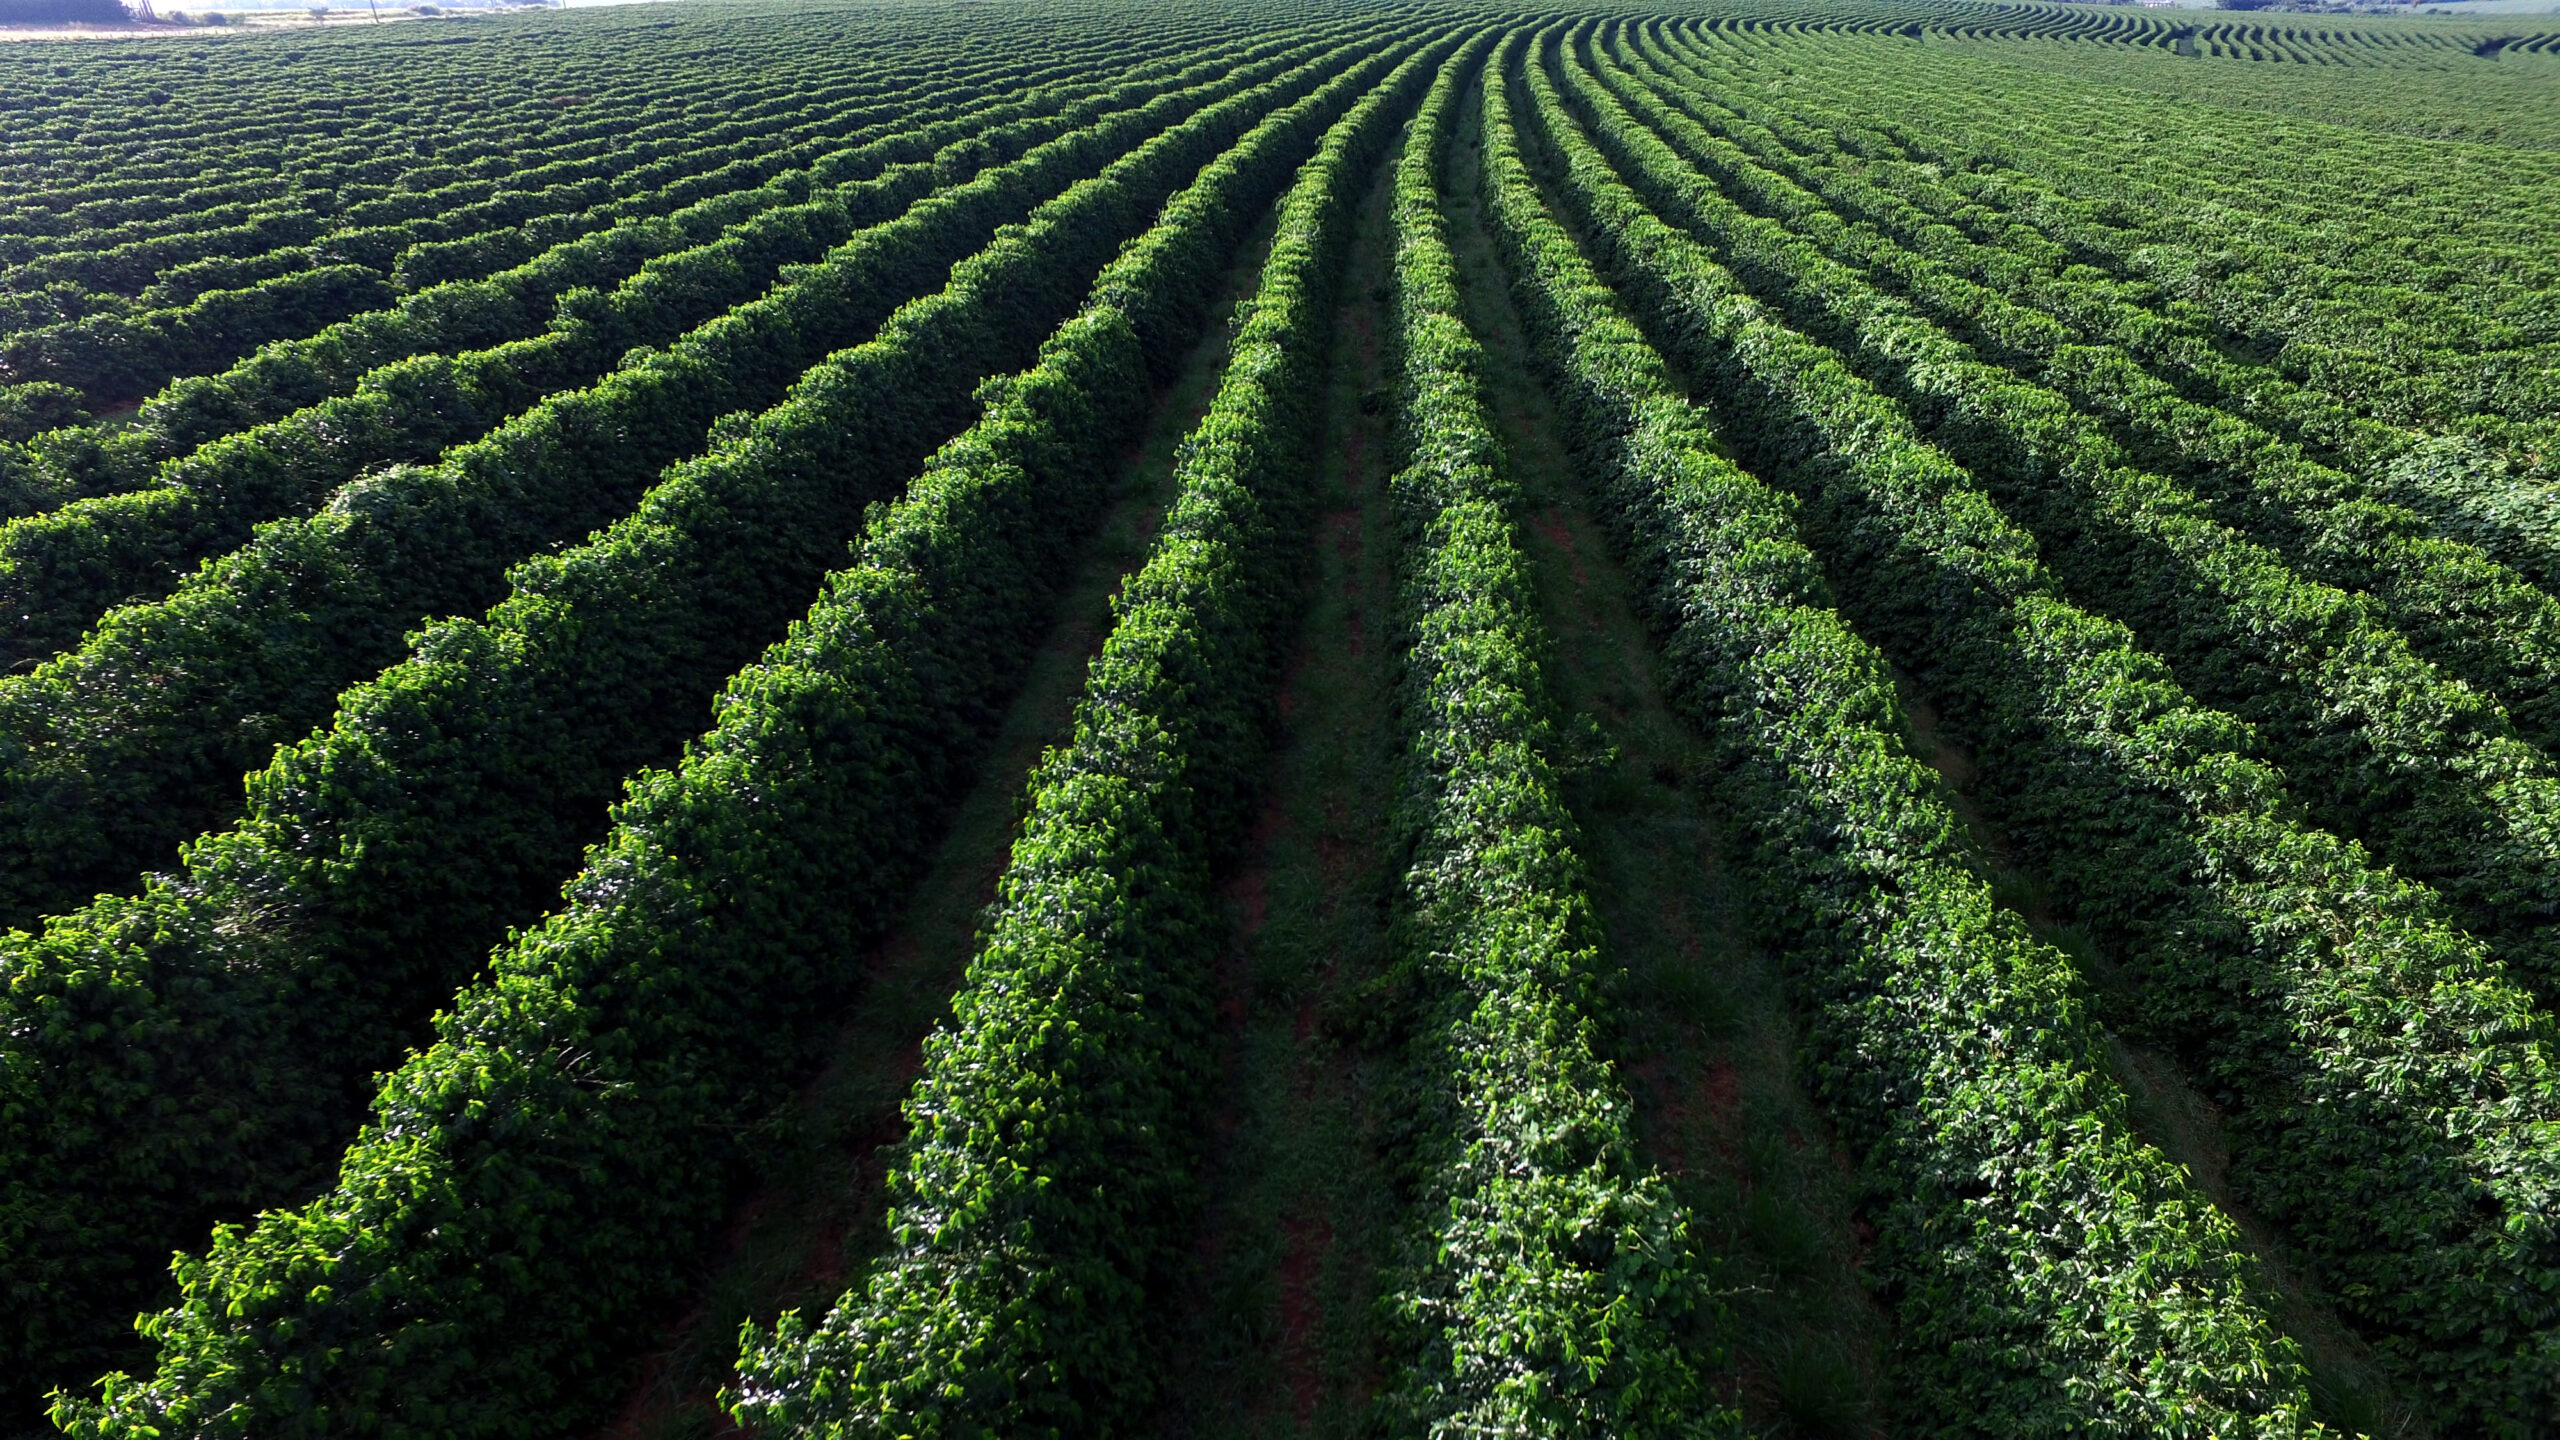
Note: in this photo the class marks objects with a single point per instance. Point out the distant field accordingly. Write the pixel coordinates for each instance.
(969, 718)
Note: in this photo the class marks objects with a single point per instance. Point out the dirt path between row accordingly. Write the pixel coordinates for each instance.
(805, 1234)
(1276, 1333)
(1705, 1040)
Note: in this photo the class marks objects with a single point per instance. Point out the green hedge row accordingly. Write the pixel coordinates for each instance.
(189, 1055)
(2372, 374)
(91, 214)
(148, 145)
(119, 751)
(539, 205)
(504, 303)
(2427, 771)
(26, 411)
(467, 229)
(116, 348)
(2471, 616)
(2393, 1101)
(2049, 1272)
(2043, 236)
(61, 570)
(112, 359)
(2403, 298)
(699, 171)
(535, 1186)
(1549, 1285)
(1046, 1189)
(217, 237)
(128, 268)
(606, 245)
(376, 132)
(684, 178)
(2032, 245)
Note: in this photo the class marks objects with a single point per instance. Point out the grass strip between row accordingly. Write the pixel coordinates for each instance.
(2394, 1102)
(2049, 1271)
(2389, 749)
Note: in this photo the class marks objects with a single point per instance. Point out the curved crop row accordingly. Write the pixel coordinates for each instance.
(508, 301)
(2420, 303)
(2355, 297)
(706, 943)
(210, 241)
(118, 358)
(60, 571)
(679, 178)
(121, 355)
(2479, 621)
(1047, 1178)
(2051, 1273)
(1549, 1280)
(107, 776)
(172, 246)
(2425, 769)
(96, 211)
(879, 133)
(680, 161)
(2226, 178)
(450, 363)
(1869, 177)
(2394, 1105)
(99, 137)
(2173, 429)
(2395, 297)
(380, 858)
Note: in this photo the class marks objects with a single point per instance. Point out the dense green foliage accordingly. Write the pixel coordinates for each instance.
(2427, 766)
(712, 887)
(2460, 609)
(2437, 1096)
(519, 533)
(384, 855)
(2031, 1233)
(108, 776)
(516, 302)
(1048, 1171)
(1552, 1279)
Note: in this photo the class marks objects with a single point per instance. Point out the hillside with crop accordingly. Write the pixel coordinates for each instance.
(953, 718)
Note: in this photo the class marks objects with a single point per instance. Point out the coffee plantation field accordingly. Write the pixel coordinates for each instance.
(953, 718)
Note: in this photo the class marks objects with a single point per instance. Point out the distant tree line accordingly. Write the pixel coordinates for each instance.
(58, 12)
